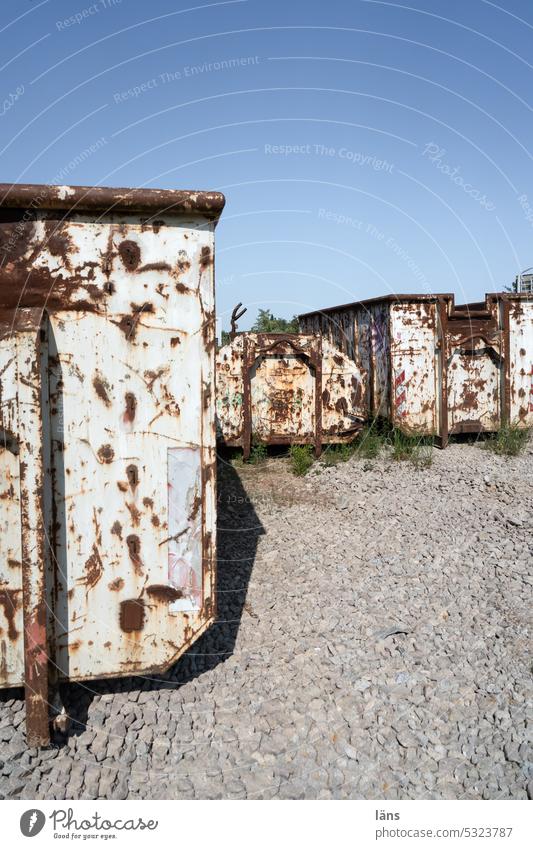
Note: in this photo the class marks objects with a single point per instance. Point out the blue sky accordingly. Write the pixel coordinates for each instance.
(364, 147)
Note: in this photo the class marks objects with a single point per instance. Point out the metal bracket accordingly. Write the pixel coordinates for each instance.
(235, 316)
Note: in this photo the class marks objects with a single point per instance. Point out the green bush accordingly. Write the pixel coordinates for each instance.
(301, 457)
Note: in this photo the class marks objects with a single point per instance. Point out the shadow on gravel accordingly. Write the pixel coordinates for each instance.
(238, 532)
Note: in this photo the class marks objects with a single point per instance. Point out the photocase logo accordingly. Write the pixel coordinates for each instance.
(32, 822)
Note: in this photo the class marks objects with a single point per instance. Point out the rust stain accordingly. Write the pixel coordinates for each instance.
(130, 254)
(197, 503)
(132, 615)
(162, 592)
(94, 569)
(130, 321)
(135, 514)
(116, 585)
(154, 266)
(130, 409)
(106, 454)
(205, 257)
(102, 389)
(132, 473)
(134, 549)
(10, 603)
(117, 529)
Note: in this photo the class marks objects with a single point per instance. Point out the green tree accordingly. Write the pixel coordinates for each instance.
(266, 322)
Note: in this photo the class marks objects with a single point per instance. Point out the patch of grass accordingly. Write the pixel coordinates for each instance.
(417, 449)
(338, 453)
(369, 442)
(510, 441)
(302, 458)
(258, 453)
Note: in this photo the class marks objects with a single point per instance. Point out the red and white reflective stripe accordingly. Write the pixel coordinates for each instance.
(531, 392)
(400, 394)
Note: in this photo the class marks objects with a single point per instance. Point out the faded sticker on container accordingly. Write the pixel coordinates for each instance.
(185, 526)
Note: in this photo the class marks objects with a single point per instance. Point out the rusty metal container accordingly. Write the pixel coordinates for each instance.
(284, 388)
(107, 433)
(436, 368)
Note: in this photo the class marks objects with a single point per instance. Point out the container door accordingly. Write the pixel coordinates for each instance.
(413, 368)
(474, 386)
(283, 398)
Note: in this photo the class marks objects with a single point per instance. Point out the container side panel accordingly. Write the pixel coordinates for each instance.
(521, 367)
(414, 374)
(229, 392)
(131, 380)
(11, 622)
(343, 395)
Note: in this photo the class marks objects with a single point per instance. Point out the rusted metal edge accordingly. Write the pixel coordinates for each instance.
(443, 411)
(372, 363)
(155, 669)
(390, 357)
(107, 199)
(467, 309)
(506, 393)
(33, 531)
(316, 360)
(246, 402)
(401, 298)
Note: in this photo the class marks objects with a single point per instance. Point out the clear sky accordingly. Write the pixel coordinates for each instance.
(364, 147)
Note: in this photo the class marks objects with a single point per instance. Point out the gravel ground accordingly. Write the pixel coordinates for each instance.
(373, 638)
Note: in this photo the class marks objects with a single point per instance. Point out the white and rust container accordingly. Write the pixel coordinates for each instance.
(283, 389)
(107, 433)
(437, 368)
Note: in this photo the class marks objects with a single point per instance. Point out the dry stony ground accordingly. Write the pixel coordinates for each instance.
(373, 638)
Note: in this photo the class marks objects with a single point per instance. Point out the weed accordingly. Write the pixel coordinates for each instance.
(369, 442)
(510, 441)
(417, 449)
(258, 453)
(302, 459)
(339, 453)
